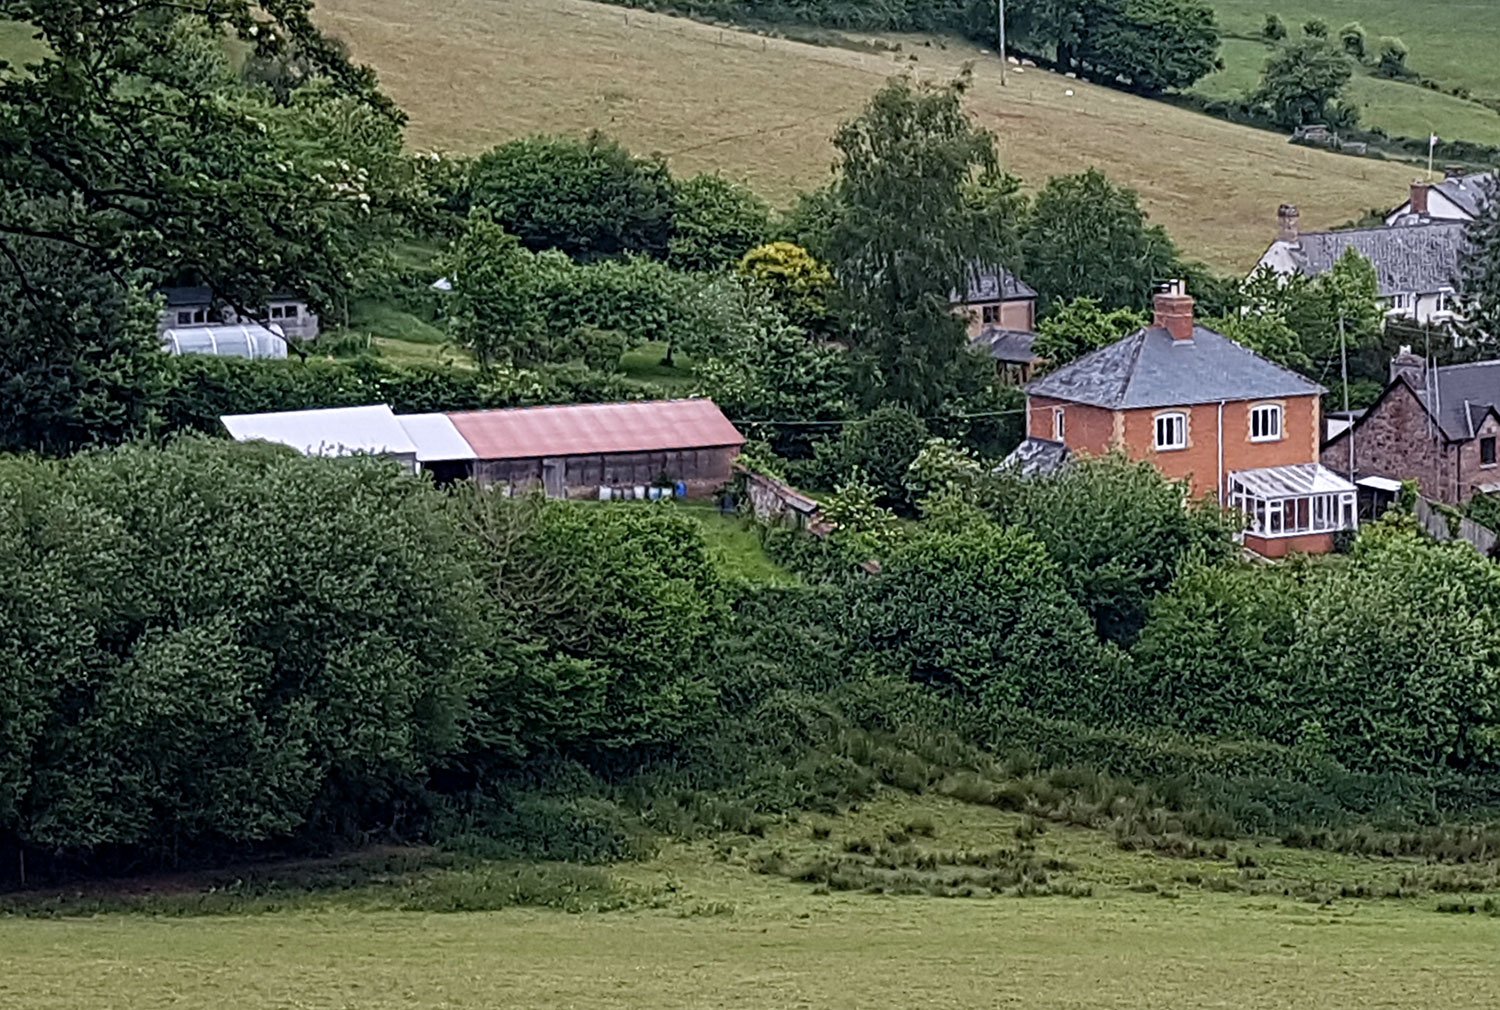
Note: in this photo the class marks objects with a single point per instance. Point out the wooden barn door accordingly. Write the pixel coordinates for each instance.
(553, 483)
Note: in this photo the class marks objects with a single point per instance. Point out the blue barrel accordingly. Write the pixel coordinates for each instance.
(680, 489)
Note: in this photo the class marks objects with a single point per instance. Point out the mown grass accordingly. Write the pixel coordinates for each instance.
(473, 73)
(801, 915)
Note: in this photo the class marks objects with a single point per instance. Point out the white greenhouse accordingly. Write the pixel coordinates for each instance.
(237, 340)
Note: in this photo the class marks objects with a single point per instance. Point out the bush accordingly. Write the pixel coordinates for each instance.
(216, 646)
(1315, 28)
(1274, 28)
(880, 448)
(589, 198)
(1391, 60)
(1354, 40)
(982, 610)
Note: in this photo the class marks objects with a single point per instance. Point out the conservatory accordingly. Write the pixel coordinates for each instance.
(237, 340)
(1292, 508)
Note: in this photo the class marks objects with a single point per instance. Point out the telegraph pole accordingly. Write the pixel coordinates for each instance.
(1000, 18)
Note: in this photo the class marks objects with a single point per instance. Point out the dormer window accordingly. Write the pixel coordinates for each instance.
(1265, 423)
(1171, 431)
(989, 314)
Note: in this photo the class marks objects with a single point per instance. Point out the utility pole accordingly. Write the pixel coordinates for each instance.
(1000, 17)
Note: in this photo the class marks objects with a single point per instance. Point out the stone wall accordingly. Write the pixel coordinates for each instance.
(1397, 439)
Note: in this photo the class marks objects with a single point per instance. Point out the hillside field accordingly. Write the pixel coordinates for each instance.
(472, 73)
(707, 926)
(1451, 41)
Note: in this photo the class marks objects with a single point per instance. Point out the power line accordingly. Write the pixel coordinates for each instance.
(856, 420)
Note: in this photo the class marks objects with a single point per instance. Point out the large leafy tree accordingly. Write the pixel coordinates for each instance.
(494, 311)
(589, 198)
(1075, 328)
(1302, 82)
(718, 221)
(132, 154)
(907, 228)
(1154, 44)
(1086, 237)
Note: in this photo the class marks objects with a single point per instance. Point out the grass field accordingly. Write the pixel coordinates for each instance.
(472, 73)
(1452, 41)
(1402, 110)
(711, 928)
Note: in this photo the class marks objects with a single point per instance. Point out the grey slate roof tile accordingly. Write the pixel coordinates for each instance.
(1420, 258)
(1013, 346)
(991, 283)
(1150, 369)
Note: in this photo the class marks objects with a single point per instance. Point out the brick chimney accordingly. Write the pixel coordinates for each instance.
(1419, 191)
(1173, 311)
(1288, 218)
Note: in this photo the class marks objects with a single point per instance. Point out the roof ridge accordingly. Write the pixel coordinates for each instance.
(1386, 228)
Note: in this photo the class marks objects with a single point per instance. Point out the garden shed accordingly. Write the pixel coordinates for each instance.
(603, 449)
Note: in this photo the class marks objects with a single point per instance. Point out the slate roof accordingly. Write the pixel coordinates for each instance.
(1459, 396)
(179, 297)
(1150, 369)
(1012, 346)
(1466, 191)
(1036, 457)
(990, 283)
(596, 429)
(1410, 258)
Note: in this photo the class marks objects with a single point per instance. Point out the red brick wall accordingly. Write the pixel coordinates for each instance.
(1199, 462)
(1280, 547)
(1090, 430)
(1396, 439)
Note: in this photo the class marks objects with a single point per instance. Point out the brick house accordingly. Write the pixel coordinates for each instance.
(1232, 425)
(1438, 426)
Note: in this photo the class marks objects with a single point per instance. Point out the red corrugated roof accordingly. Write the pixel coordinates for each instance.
(596, 428)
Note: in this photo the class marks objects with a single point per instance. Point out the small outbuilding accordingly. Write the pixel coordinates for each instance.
(603, 449)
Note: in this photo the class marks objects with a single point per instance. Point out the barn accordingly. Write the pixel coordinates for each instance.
(603, 449)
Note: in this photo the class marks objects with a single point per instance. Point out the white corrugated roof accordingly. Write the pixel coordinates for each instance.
(435, 437)
(336, 431)
(1290, 481)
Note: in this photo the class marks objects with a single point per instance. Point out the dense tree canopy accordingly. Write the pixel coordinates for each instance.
(588, 198)
(1302, 83)
(717, 222)
(1087, 237)
(132, 154)
(906, 231)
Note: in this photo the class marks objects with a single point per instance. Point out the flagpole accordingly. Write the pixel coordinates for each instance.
(1431, 146)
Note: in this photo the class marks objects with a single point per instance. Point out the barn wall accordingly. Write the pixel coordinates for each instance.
(703, 470)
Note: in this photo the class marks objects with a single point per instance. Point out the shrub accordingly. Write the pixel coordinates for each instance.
(1274, 28)
(1315, 28)
(1354, 39)
(796, 283)
(1391, 59)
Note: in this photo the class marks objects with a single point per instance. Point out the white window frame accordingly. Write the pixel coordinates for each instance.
(1268, 410)
(1059, 424)
(1172, 418)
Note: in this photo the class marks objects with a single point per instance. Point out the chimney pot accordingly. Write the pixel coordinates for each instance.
(1419, 191)
(1411, 366)
(1288, 218)
(1173, 311)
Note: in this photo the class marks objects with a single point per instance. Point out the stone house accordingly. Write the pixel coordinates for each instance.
(1232, 425)
(1436, 425)
(1416, 265)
